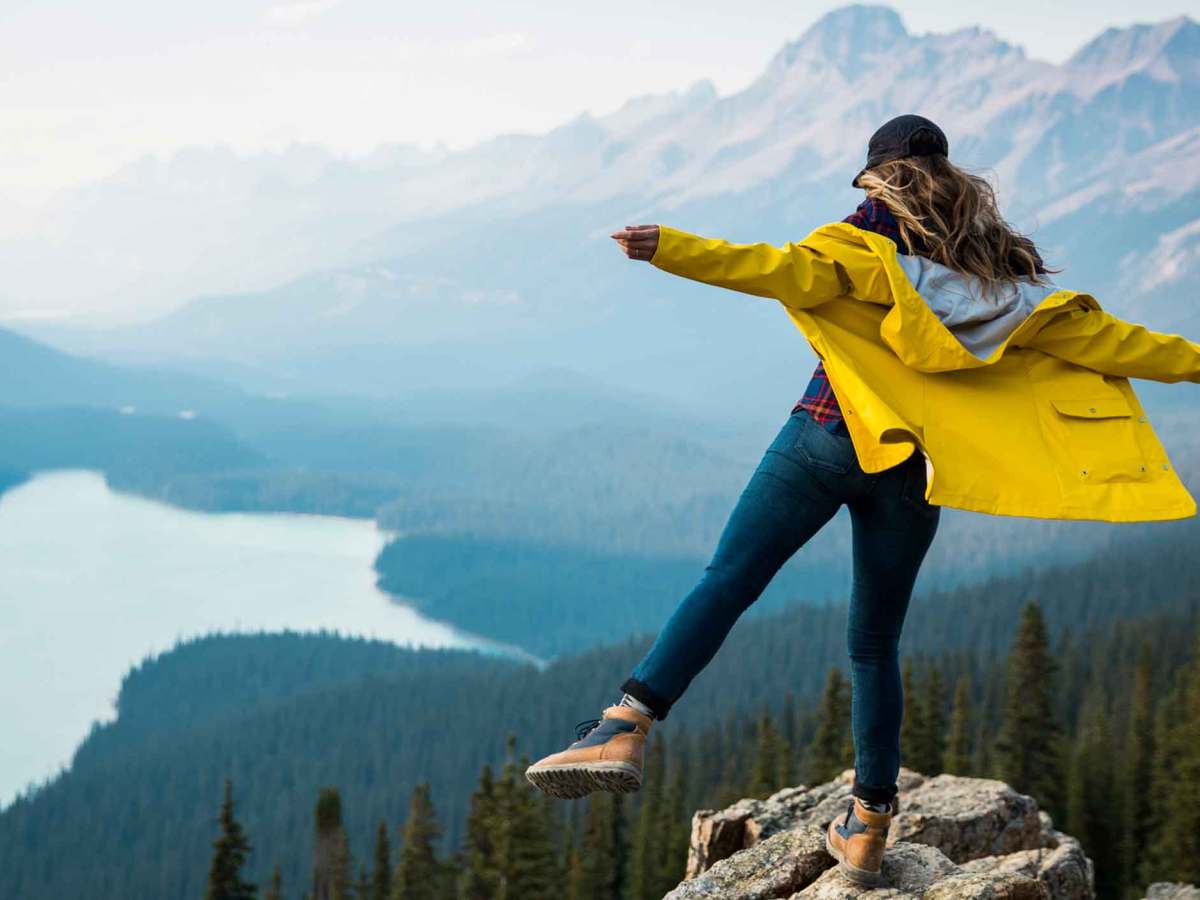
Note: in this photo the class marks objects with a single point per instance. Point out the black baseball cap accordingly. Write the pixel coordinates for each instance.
(907, 135)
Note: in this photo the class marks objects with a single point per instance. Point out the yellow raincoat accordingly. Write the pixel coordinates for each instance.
(1021, 408)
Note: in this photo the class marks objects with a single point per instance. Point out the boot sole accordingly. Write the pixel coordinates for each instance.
(853, 873)
(570, 782)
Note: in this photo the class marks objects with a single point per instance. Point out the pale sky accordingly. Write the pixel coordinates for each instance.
(86, 87)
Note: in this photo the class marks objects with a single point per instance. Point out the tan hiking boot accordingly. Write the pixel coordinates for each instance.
(607, 757)
(857, 841)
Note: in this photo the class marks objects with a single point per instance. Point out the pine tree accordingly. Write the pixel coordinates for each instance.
(418, 874)
(480, 877)
(381, 874)
(331, 855)
(275, 891)
(957, 759)
(1089, 794)
(645, 843)
(620, 842)
(764, 774)
(1156, 864)
(230, 850)
(1185, 806)
(524, 856)
(576, 875)
(989, 714)
(912, 726)
(343, 887)
(1071, 678)
(603, 851)
(785, 741)
(983, 761)
(1177, 845)
(933, 736)
(362, 887)
(790, 734)
(534, 872)
(827, 755)
(1029, 750)
(1139, 756)
(675, 829)
(724, 752)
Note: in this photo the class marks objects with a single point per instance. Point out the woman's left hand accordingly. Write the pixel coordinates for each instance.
(638, 241)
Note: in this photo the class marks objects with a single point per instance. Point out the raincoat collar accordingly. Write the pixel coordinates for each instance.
(939, 320)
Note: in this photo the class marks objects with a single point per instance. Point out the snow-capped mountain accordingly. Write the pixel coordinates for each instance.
(494, 260)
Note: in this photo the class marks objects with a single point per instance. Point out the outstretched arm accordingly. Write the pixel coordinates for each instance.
(1100, 341)
(795, 274)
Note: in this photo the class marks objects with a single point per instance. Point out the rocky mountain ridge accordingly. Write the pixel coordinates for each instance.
(405, 264)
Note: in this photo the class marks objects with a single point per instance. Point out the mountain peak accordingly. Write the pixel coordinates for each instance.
(843, 33)
(1176, 41)
(864, 20)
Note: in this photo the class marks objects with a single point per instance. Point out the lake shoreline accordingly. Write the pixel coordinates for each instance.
(94, 580)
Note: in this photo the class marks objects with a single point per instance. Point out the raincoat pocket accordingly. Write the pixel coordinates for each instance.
(1099, 434)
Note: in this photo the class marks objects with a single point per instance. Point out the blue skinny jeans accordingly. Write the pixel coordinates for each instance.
(804, 477)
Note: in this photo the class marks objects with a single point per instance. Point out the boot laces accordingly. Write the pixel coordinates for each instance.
(586, 727)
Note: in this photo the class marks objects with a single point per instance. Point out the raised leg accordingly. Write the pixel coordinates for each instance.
(785, 503)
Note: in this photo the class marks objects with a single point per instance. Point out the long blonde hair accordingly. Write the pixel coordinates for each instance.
(953, 213)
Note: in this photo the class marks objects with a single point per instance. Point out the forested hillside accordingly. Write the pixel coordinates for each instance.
(559, 493)
(550, 599)
(126, 447)
(1114, 771)
(283, 716)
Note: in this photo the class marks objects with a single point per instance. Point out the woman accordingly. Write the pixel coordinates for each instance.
(953, 372)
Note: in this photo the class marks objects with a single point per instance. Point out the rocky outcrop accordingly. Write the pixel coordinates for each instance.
(953, 837)
(1057, 862)
(778, 866)
(1168, 890)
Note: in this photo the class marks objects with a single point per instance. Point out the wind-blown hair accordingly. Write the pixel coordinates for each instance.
(954, 214)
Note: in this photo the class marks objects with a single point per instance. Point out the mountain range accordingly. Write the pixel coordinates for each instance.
(468, 268)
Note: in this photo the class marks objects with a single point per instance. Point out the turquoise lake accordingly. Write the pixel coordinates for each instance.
(92, 581)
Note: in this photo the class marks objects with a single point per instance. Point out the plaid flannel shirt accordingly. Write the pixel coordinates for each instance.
(819, 399)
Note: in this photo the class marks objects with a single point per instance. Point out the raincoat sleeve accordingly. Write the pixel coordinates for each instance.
(1100, 341)
(796, 274)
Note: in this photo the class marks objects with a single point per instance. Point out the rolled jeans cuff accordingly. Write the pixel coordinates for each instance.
(658, 705)
(875, 794)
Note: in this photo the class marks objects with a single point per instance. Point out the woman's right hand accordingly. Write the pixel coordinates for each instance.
(638, 241)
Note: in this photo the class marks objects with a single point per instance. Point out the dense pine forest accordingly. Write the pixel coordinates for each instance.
(285, 716)
(1119, 771)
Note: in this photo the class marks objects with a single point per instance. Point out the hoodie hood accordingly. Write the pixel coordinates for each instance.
(942, 321)
(980, 323)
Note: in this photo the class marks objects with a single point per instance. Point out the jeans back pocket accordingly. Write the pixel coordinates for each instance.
(820, 448)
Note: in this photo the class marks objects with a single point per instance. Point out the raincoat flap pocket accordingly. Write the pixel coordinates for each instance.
(1108, 407)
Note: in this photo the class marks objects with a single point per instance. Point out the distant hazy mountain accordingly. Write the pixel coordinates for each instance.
(496, 260)
(35, 375)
